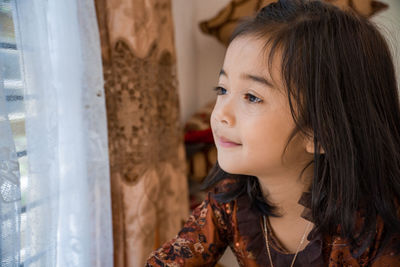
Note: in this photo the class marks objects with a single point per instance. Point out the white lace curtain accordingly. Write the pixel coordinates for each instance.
(60, 213)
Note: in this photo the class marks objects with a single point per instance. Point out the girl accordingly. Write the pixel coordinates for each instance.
(307, 128)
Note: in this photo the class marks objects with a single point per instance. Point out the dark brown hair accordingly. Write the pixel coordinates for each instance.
(338, 71)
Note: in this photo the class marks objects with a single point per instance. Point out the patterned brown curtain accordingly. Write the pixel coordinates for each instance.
(147, 158)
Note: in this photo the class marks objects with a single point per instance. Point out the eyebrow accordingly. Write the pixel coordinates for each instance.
(247, 76)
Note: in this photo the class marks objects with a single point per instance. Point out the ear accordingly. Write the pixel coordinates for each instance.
(309, 145)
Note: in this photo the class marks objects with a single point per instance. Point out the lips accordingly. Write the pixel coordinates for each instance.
(225, 142)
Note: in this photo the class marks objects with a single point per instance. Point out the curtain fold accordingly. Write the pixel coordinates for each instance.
(147, 158)
(66, 217)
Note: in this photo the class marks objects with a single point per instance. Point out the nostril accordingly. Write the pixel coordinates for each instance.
(222, 114)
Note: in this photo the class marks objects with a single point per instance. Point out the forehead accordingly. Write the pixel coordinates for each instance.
(247, 51)
(247, 59)
(248, 54)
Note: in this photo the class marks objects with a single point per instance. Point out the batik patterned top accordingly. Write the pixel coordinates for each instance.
(213, 226)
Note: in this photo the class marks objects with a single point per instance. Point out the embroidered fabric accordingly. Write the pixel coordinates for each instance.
(205, 236)
(250, 225)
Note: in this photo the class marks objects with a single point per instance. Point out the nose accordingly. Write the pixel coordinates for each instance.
(224, 112)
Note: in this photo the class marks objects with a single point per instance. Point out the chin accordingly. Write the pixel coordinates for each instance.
(230, 167)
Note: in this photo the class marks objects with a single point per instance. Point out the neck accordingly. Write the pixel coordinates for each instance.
(285, 190)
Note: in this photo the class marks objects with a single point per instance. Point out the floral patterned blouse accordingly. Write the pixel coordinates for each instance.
(213, 226)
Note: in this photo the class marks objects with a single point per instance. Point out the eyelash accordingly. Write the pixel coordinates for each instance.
(248, 96)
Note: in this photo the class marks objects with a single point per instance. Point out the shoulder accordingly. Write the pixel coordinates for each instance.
(388, 253)
(203, 238)
(212, 214)
(377, 248)
(389, 240)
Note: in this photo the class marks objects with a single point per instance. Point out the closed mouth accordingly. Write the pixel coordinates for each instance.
(227, 141)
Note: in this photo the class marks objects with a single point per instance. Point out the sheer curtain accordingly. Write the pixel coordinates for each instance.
(9, 184)
(65, 218)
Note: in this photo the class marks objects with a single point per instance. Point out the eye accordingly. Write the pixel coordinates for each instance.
(252, 98)
(220, 90)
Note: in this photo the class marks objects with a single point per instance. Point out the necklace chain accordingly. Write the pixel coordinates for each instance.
(267, 243)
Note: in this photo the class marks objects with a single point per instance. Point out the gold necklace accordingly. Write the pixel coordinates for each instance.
(298, 247)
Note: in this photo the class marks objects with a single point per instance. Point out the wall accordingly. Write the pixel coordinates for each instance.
(200, 57)
(183, 12)
(389, 24)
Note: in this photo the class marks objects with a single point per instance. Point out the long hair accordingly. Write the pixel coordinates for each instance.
(338, 71)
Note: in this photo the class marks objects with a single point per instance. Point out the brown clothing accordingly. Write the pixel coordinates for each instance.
(213, 226)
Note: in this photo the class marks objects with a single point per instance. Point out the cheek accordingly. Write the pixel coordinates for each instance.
(212, 123)
(267, 140)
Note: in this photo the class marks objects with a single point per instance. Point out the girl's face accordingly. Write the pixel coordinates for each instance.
(251, 120)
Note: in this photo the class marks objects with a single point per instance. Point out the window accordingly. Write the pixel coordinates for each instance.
(13, 92)
(54, 180)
